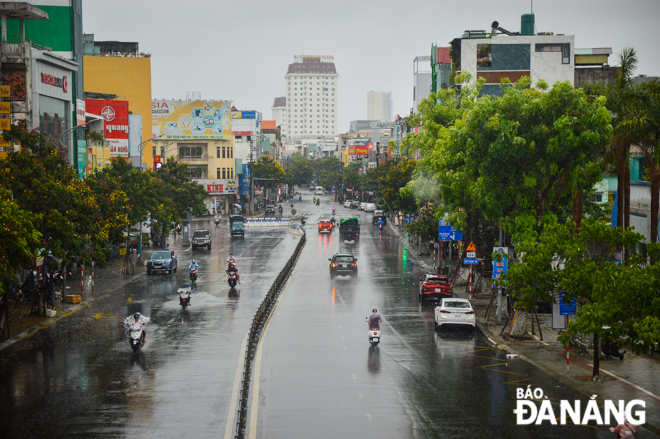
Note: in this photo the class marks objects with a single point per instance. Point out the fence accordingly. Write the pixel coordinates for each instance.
(258, 322)
(268, 222)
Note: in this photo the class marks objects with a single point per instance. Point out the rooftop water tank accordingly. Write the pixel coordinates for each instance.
(527, 24)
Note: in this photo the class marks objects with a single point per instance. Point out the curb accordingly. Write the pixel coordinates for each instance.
(29, 332)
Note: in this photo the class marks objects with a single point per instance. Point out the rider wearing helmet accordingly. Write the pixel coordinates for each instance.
(375, 320)
(138, 318)
(232, 269)
(193, 265)
(231, 258)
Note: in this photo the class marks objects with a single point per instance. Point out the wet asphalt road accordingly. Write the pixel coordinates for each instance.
(319, 377)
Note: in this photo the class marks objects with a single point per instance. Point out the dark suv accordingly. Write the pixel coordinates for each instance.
(162, 260)
(201, 238)
(343, 264)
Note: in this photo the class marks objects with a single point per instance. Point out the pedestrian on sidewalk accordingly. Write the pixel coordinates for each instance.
(625, 430)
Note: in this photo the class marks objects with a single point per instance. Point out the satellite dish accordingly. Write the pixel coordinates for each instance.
(495, 25)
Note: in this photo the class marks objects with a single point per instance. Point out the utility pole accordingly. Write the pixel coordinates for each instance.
(499, 289)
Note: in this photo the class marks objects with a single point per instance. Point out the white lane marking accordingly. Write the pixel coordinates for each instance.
(369, 416)
(231, 417)
(254, 410)
(354, 377)
(342, 337)
(628, 382)
(361, 395)
(345, 348)
(340, 327)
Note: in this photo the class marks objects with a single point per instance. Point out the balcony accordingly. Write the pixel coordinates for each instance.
(193, 159)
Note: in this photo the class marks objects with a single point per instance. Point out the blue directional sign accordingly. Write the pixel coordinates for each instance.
(448, 233)
(500, 267)
(471, 261)
(567, 309)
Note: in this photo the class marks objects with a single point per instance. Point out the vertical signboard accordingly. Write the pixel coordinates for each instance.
(82, 158)
(500, 267)
(134, 134)
(115, 124)
(245, 181)
(80, 112)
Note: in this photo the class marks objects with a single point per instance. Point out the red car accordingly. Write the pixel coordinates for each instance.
(325, 226)
(435, 287)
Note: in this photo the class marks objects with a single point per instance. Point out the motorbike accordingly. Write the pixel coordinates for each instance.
(193, 274)
(611, 348)
(58, 277)
(216, 221)
(185, 291)
(232, 280)
(135, 331)
(374, 335)
(299, 197)
(380, 227)
(318, 201)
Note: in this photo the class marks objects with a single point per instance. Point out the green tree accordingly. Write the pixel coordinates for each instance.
(351, 176)
(426, 224)
(616, 300)
(20, 240)
(300, 172)
(267, 167)
(394, 175)
(326, 170)
(42, 183)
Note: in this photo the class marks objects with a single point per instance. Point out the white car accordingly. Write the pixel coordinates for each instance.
(347, 204)
(453, 311)
(362, 204)
(369, 207)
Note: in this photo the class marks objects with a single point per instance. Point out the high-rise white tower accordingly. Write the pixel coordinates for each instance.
(311, 97)
(379, 105)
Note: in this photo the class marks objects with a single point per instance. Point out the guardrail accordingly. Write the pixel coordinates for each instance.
(258, 322)
(268, 221)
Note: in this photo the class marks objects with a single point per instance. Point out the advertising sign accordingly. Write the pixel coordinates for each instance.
(134, 134)
(567, 309)
(191, 119)
(115, 123)
(5, 107)
(82, 158)
(245, 181)
(5, 91)
(501, 267)
(219, 187)
(80, 112)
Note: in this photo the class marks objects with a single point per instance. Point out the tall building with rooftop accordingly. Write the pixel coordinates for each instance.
(311, 97)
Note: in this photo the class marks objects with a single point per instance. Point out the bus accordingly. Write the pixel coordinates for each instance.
(318, 190)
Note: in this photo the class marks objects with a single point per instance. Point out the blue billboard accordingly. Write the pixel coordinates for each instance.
(244, 181)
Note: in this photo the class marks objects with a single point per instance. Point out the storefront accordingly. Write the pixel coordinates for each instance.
(52, 84)
(222, 194)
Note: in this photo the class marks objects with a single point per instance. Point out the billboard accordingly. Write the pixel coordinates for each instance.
(358, 149)
(115, 123)
(219, 187)
(191, 119)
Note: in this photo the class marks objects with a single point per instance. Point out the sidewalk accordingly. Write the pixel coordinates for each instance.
(106, 280)
(636, 377)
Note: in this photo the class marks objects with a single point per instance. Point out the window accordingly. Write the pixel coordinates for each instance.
(231, 152)
(217, 154)
(223, 152)
(224, 173)
(217, 173)
(191, 152)
(196, 172)
(598, 198)
(232, 172)
(564, 48)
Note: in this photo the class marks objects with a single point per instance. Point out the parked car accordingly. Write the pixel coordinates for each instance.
(162, 260)
(270, 210)
(201, 238)
(369, 207)
(354, 204)
(378, 215)
(435, 286)
(343, 264)
(347, 203)
(325, 226)
(454, 312)
(362, 205)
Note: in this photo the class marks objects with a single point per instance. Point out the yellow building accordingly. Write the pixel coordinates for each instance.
(120, 69)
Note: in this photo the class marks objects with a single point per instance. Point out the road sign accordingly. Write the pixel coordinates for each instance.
(471, 247)
(467, 261)
(293, 211)
(566, 309)
(448, 233)
(470, 254)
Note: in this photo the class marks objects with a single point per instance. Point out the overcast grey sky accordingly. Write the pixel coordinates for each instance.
(239, 50)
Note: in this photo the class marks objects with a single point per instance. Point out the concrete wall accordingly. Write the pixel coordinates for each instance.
(586, 75)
